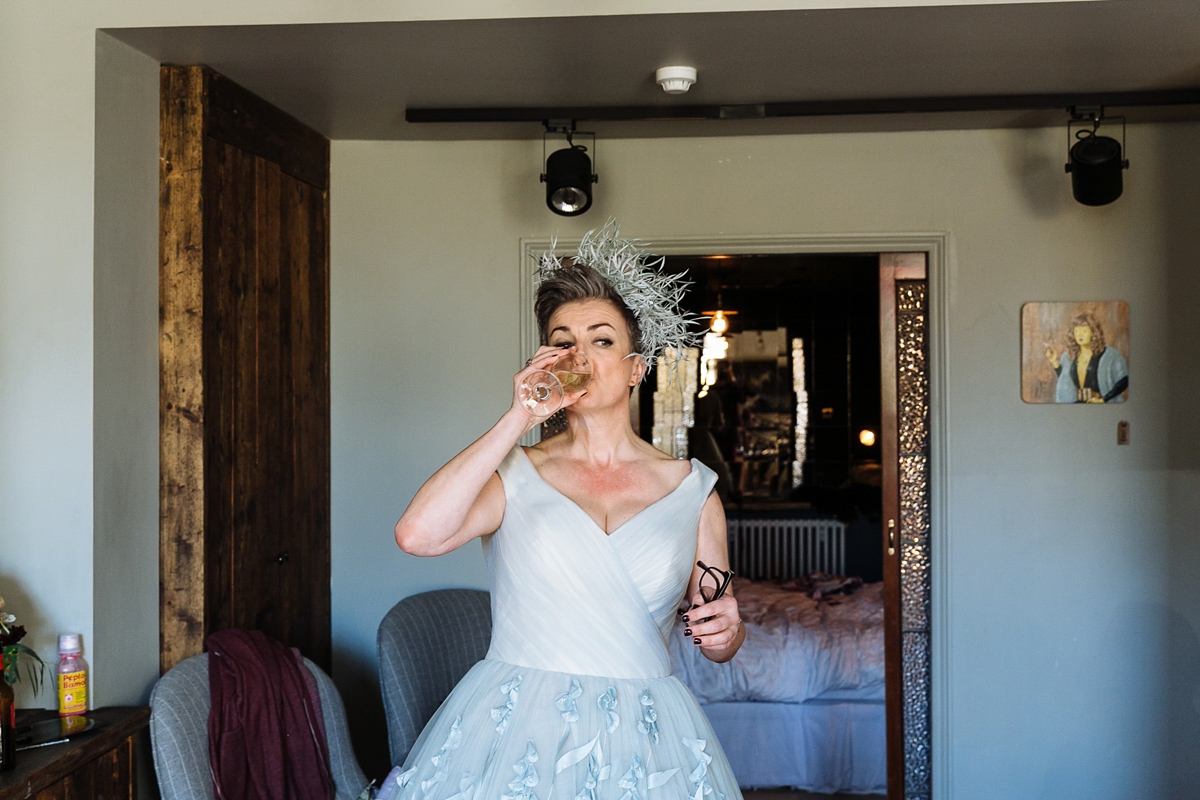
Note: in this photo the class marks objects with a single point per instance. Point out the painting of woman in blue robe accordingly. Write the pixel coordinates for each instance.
(1088, 371)
(1081, 359)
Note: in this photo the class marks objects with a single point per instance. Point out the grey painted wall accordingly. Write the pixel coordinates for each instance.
(1178, 602)
(124, 647)
(46, 301)
(1069, 621)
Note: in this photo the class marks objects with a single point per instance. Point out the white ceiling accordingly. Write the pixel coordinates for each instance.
(353, 81)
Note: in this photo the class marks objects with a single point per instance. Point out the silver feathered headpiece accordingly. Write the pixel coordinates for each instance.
(652, 295)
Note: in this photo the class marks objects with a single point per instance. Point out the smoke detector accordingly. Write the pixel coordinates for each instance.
(675, 80)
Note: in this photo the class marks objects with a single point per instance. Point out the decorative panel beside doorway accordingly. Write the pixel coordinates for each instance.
(904, 323)
(912, 398)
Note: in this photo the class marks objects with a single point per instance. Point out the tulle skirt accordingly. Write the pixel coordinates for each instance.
(509, 732)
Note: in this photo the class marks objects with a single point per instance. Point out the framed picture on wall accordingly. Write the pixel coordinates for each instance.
(1075, 352)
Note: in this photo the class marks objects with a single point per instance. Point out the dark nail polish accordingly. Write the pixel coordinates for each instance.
(695, 605)
(679, 611)
(687, 631)
(685, 619)
(696, 640)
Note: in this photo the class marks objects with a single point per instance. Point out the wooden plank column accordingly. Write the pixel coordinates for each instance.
(181, 360)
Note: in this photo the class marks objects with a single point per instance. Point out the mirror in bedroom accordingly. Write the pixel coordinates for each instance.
(783, 402)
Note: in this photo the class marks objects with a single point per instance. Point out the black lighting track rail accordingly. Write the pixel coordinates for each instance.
(812, 108)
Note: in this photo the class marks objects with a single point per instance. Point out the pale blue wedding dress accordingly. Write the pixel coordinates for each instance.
(575, 699)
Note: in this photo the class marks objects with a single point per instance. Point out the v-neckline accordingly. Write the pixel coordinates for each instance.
(586, 515)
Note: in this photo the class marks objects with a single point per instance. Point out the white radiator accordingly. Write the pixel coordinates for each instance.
(778, 549)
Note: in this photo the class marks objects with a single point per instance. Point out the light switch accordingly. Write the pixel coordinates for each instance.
(1123, 432)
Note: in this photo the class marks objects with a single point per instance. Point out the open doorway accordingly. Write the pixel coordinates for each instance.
(784, 404)
(791, 420)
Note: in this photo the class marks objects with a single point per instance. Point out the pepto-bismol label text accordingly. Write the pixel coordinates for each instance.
(72, 693)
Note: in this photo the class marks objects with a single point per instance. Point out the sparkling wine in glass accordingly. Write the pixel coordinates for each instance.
(542, 392)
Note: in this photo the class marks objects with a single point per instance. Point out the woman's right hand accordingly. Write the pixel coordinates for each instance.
(543, 359)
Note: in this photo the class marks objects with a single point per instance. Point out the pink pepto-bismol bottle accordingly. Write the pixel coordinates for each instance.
(72, 676)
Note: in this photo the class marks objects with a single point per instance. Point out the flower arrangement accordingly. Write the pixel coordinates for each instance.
(11, 635)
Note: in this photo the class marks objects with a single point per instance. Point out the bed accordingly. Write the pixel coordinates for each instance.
(802, 704)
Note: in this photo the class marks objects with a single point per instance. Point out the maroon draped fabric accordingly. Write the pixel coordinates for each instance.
(266, 735)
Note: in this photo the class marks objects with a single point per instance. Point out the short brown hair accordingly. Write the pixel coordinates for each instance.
(576, 282)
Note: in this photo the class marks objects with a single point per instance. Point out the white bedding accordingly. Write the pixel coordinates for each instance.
(796, 649)
(815, 746)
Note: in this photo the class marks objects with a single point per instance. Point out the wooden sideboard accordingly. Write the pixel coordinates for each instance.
(97, 764)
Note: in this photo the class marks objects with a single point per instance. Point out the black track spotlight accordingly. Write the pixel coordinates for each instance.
(568, 176)
(1094, 161)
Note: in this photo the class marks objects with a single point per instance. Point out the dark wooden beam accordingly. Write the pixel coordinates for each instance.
(812, 108)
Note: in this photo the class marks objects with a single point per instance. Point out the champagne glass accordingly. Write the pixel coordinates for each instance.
(542, 392)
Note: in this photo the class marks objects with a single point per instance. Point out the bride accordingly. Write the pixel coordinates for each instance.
(592, 539)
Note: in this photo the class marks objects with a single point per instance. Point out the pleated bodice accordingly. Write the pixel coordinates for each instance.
(567, 597)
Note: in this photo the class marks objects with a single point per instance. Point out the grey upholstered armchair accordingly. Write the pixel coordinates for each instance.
(427, 642)
(179, 707)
